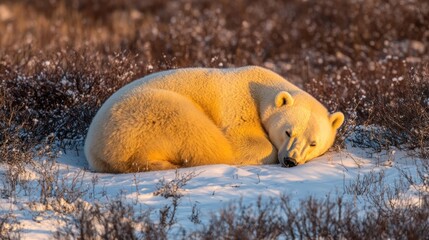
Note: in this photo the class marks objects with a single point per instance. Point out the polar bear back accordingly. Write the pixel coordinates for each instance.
(217, 91)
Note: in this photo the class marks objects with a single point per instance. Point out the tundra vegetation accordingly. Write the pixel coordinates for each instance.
(60, 59)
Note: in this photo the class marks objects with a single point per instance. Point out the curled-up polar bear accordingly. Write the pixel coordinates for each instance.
(199, 116)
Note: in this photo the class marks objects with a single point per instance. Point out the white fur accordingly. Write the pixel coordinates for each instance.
(199, 116)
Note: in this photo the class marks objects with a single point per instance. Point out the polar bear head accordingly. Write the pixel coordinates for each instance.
(300, 127)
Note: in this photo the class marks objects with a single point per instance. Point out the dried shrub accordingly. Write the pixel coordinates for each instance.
(173, 188)
(242, 221)
(60, 95)
(13, 146)
(366, 58)
(313, 219)
(389, 99)
(113, 220)
(9, 227)
(59, 60)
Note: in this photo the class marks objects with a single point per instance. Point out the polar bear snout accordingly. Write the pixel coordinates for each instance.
(289, 162)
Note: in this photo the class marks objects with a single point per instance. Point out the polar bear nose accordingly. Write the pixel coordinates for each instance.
(289, 162)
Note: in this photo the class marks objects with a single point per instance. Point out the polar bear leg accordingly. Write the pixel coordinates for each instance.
(157, 129)
(183, 134)
(251, 148)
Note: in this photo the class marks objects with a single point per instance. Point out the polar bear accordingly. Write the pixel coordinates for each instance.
(198, 116)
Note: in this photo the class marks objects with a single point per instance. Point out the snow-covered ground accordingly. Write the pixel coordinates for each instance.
(211, 189)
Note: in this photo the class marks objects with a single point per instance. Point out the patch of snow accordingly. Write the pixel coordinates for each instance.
(212, 188)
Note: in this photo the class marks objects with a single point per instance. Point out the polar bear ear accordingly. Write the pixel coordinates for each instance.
(336, 119)
(283, 98)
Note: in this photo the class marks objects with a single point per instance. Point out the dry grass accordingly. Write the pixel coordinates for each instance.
(60, 59)
(331, 218)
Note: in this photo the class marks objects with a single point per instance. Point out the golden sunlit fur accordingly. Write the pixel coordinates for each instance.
(200, 116)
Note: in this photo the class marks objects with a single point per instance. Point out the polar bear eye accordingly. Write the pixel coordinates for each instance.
(288, 133)
(313, 144)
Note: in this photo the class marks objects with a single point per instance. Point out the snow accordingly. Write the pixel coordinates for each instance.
(212, 188)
